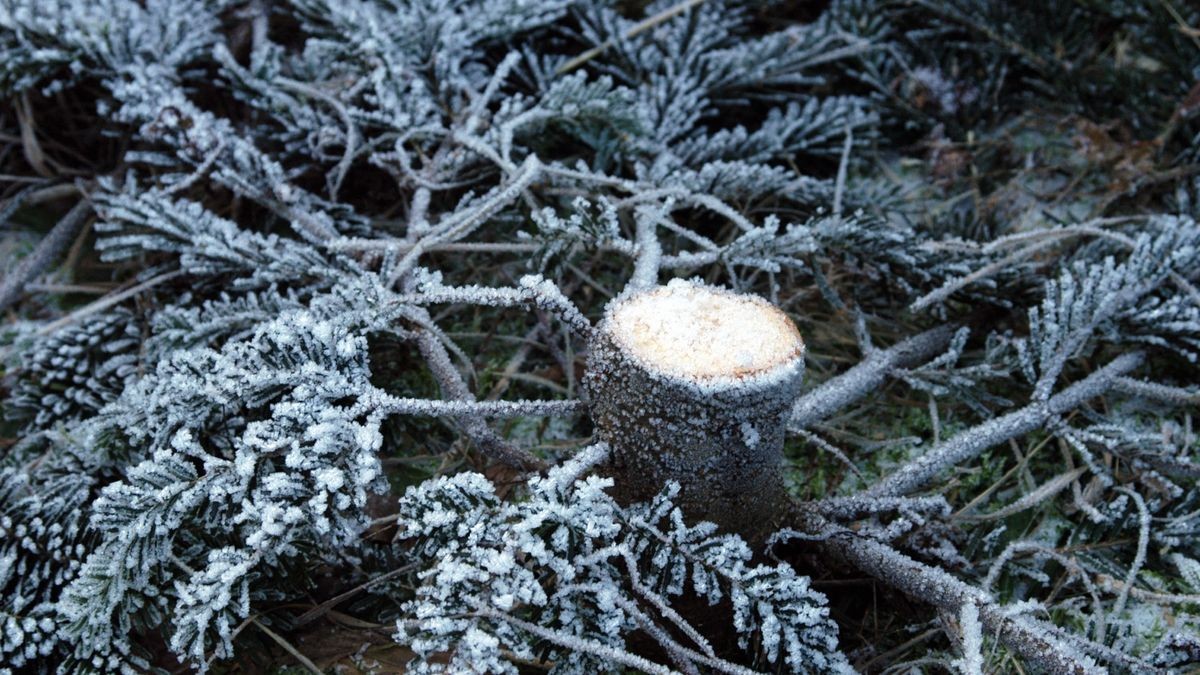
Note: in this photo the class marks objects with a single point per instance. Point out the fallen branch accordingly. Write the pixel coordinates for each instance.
(49, 250)
(920, 472)
(1029, 638)
(865, 377)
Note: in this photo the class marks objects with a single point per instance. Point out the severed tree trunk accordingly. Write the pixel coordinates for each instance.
(694, 384)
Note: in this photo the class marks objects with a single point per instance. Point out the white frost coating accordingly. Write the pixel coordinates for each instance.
(566, 567)
(698, 332)
(750, 435)
(971, 662)
(258, 434)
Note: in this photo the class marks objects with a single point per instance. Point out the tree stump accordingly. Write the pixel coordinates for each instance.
(692, 383)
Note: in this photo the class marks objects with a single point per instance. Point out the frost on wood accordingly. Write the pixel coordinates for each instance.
(269, 265)
(692, 384)
(691, 332)
(971, 662)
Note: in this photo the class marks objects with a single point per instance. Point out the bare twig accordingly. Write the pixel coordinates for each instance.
(918, 473)
(335, 181)
(579, 644)
(324, 608)
(1048, 490)
(839, 189)
(49, 250)
(637, 29)
(33, 196)
(29, 142)
(108, 301)
(865, 377)
(287, 646)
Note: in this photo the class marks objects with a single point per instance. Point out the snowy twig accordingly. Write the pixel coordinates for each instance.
(1139, 558)
(853, 508)
(1176, 396)
(532, 290)
(920, 472)
(199, 172)
(839, 189)
(865, 377)
(335, 181)
(649, 251)
(453, 387)
(971, 662)
(1027, 637)
(47, 252)
(953, 285)
(461, 223)
(382, 402)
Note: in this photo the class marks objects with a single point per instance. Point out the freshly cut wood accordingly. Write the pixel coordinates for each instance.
(694, 384)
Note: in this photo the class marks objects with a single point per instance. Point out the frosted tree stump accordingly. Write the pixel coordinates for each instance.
(695, 384)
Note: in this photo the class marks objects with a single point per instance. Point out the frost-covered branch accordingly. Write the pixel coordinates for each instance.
(1024, 635)
(572, 567)
(326, 222)
(48, 251)
(865, 376)
(377, 401)
(453, 387)
(919, 473)
(1156, 391)
(461, 223)
(532, 289)
(649, 250)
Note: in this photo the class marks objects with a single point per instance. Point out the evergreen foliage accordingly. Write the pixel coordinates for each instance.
(310, 375)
